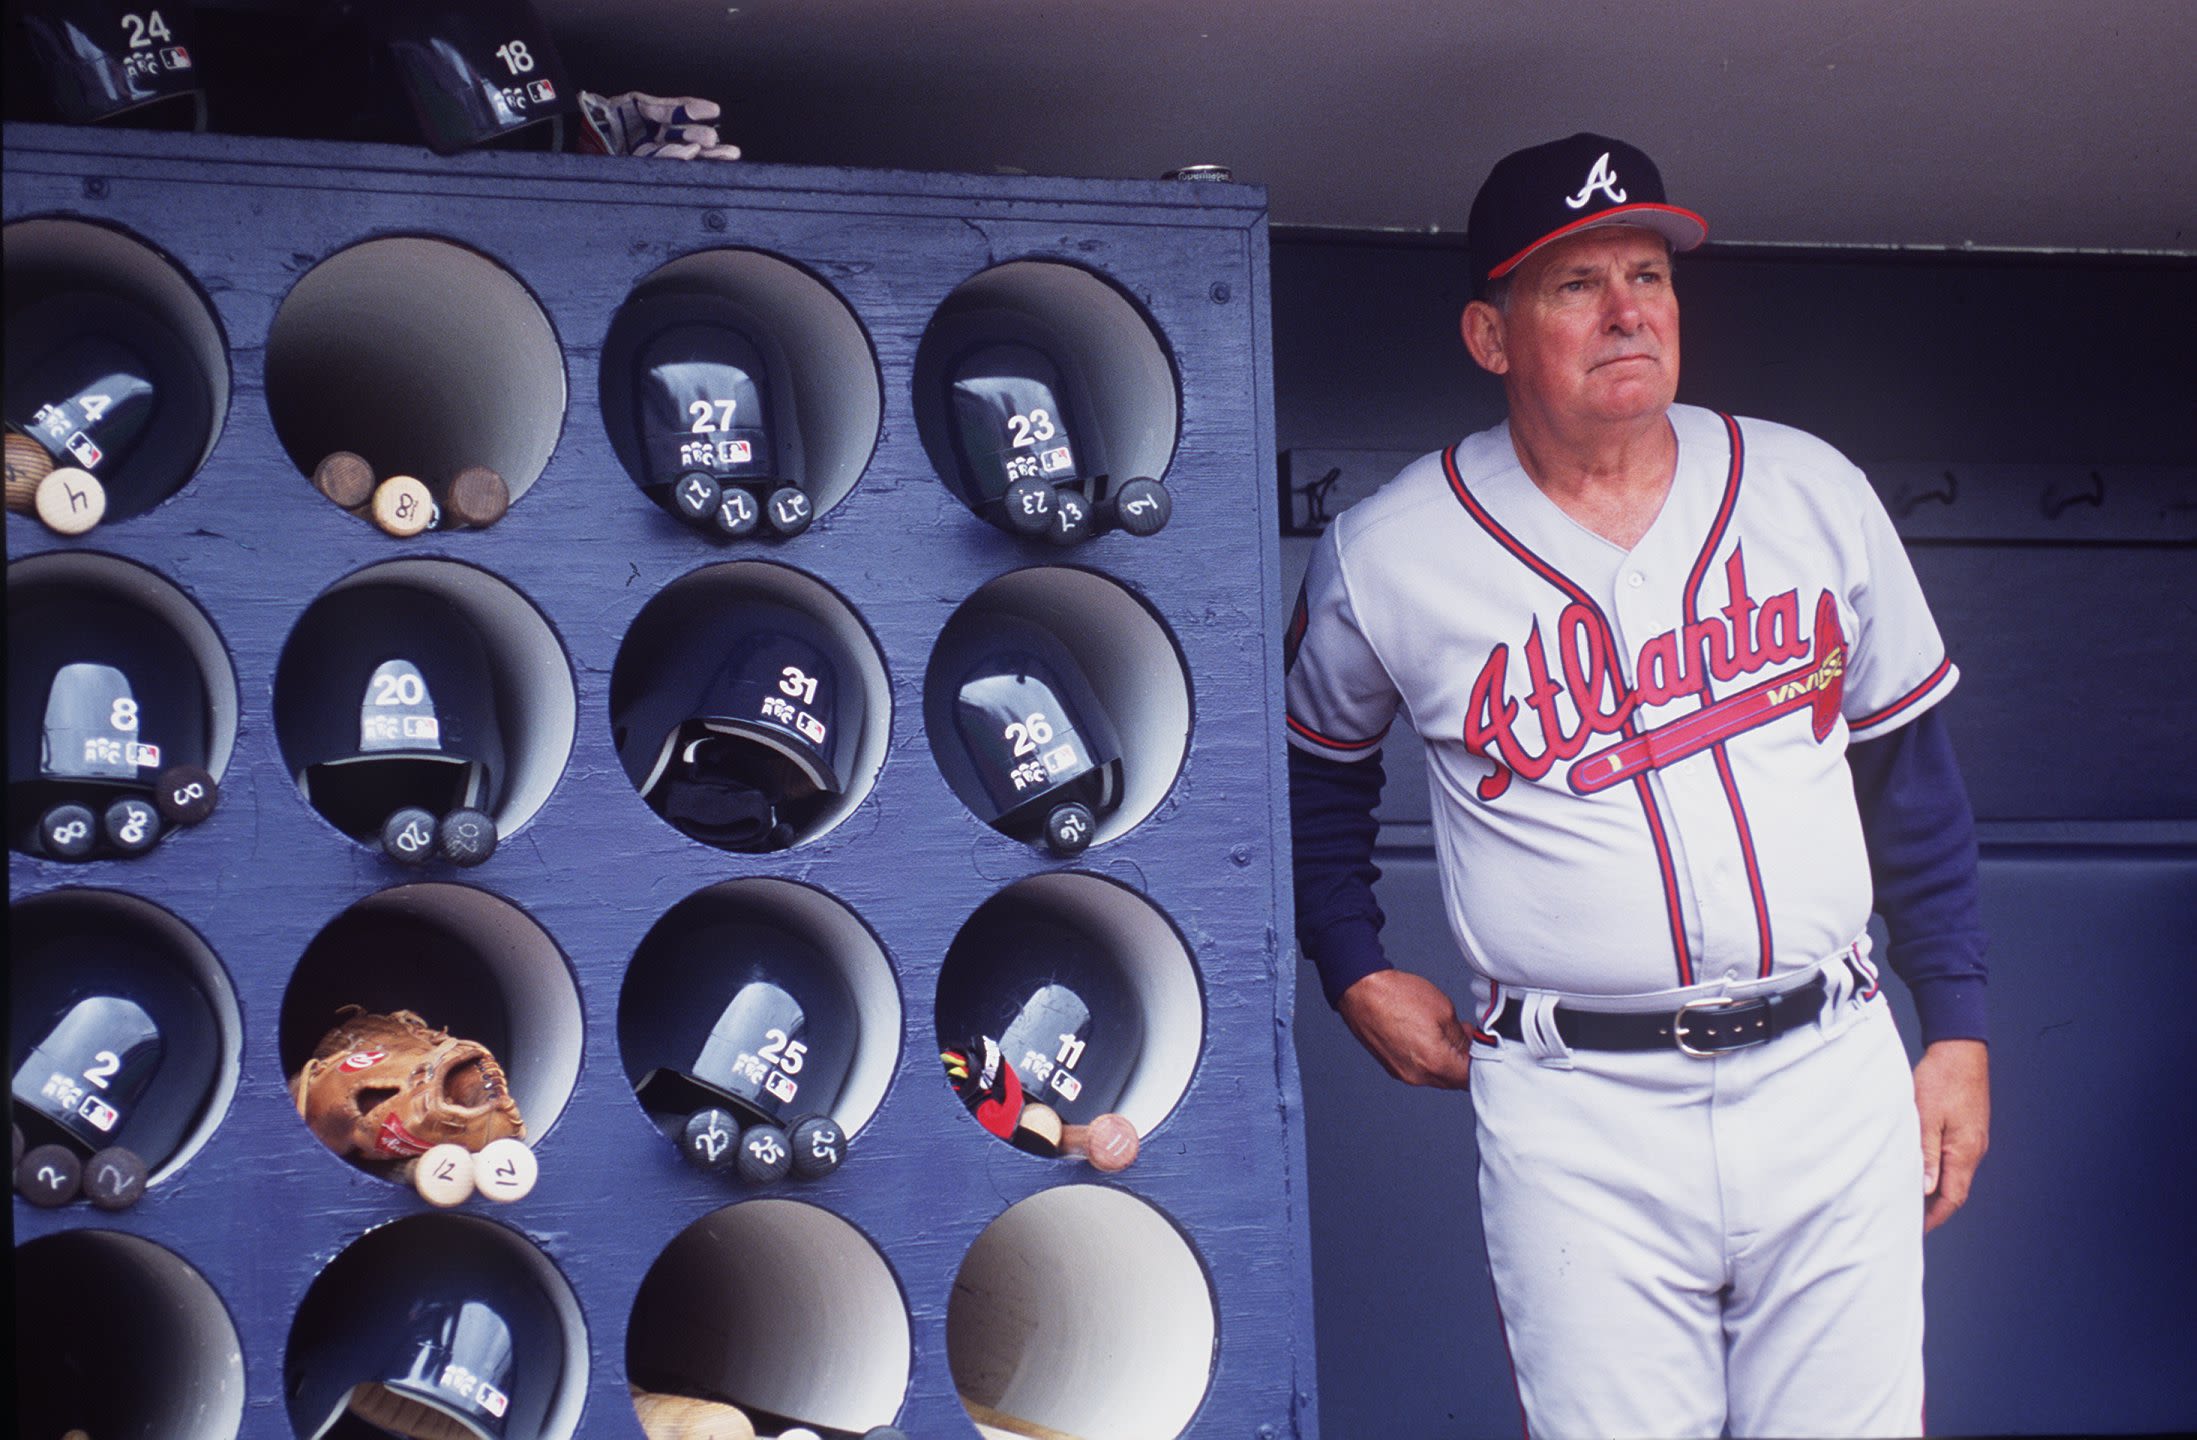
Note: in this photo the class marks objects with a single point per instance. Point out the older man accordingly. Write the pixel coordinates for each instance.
(1677, 685)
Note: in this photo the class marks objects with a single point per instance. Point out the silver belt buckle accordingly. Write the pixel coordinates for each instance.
(1678, 1025)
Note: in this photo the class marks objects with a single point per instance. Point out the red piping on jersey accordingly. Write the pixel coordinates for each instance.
(1479, 1030)
(1318, 739)
(1673, 913)
(1904, 701)
(1717, 529)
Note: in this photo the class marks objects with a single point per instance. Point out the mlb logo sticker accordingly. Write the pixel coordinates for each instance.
(491, 1399)
(102, 1115)
(175, 57)
(144, 757)
(738, 452)
(541, 90)
(811, 727)
(87, 454)
(1056, 458)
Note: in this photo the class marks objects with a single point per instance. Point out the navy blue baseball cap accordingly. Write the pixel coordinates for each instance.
(1546, 192)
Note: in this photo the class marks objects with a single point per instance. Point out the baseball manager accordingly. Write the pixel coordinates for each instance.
(1679, 694)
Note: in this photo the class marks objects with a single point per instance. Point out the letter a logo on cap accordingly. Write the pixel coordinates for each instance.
(1599, 178)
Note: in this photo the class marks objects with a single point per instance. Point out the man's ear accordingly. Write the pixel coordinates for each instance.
(1482, 326)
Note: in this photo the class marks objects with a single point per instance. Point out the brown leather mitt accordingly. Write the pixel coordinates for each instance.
(387, 1087)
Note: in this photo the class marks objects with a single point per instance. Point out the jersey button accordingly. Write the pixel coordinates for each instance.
(1636, 579)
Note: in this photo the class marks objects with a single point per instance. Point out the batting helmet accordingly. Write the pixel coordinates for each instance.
(457, 1339)
(1061, 1008)
(701, 391)
(737, 729)
(113, 1043)
(105, 386)
(473, 72)
(103, 57)
(1017, 727)
(384, 697)
(1012, 421)
(740, 1013)
(102, 696)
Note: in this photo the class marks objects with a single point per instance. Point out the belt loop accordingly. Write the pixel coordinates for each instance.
(1537, 1028)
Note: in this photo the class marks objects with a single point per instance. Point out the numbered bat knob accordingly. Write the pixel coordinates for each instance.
(68, 832)
(465, 837)
(819, 1147)
(1069, 827)
(444, 1175)
(48, 1176)
(789, 510)
(185, 794)
(408, 835)
(737, 514)
(132, 826)
(710, 1140)
(1071, 519)
(114, 1178)
(403, 507)
(696, 497)
(505, 1170)
(1141, 506)
(765, 1155)
(70, 501)
(1109, 1142)
(1029, 503)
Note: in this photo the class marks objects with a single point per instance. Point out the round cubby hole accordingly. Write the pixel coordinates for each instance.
(420, 356)
(776, 1307)
(466, 962)
(765, 997)
(750, 706)
(123, 1028)
(1088, 992)
(1054, 687)
(115, 1335)
(114, 677)
(116, 364)
(749, 370)
(1042, 370)
(1060, 1299)
(425, 684)
(437, 1325)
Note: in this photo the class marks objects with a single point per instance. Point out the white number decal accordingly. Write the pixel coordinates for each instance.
(399, 690)
(711, 416)
(124, 714)
(515, 57)
(1071, 1050)
(94, 406)
(145, 29)
(104, 1064)
(784, 1051)
(1030, 429)
(799, 684)
(1029, 733)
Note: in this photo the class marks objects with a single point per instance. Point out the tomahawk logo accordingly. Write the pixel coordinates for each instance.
(1599, 178)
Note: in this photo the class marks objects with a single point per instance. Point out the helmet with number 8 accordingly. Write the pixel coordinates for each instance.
(103, 695)
(723, 1008)
(739, 725)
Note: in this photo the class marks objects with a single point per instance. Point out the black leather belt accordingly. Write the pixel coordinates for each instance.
(1704, 1027)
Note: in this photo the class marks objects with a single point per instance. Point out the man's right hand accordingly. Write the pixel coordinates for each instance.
(1411, 1027)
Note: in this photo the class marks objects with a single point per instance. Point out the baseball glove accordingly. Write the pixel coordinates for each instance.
(381, 1088)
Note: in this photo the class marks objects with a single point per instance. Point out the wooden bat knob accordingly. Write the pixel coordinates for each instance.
(444, 1175)
(70, 501)
(346, 479)
(505, 1170)
(28, 463)
(1039, 1124)
(403, 507)
(1110, 1142)
(682, 1417)
(475, 498)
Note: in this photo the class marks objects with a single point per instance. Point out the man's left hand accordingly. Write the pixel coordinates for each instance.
(1953, 1097)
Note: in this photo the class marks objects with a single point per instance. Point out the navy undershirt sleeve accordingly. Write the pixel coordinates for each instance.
(1921, 835)
(1331, 817)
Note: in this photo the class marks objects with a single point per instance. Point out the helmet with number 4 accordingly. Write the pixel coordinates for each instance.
(106, 387)
(732, 1011)
(111, 1041)
(1059, 1005)
(1016, 725)
(103, 695)
(385, 697)
(1012, 421)
(450, 1337)
(740, 726)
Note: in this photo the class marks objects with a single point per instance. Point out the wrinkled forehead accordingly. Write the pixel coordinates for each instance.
(1628, 246)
